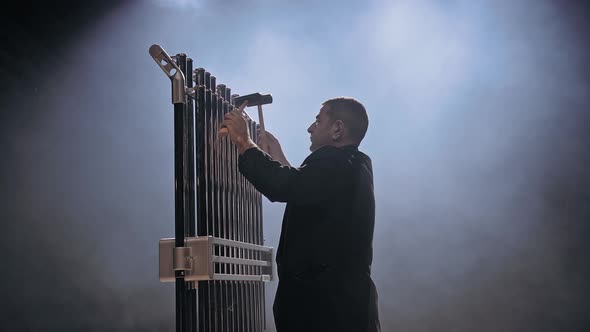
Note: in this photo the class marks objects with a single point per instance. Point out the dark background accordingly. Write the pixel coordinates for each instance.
(471, 243)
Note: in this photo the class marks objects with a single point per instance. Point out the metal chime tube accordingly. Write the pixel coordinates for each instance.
(223, 222)
(227, 285)
(242, 307)
(233, 235)
(220, 193)
(214, 191)
(249, 240)
(203, 180)
(190, 202)
(221, 229)
(207, 224)
(261, 289)
(237, 215)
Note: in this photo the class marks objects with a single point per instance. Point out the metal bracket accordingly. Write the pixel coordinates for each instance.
(171, 70)
(211, 258)
(182, 258)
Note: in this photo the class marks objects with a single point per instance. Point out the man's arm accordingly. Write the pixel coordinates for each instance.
(270, 144)
(321, 179)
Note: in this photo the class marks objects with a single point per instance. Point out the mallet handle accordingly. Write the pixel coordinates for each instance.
(261, 121)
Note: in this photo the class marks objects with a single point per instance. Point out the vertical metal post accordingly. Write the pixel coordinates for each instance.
(180, 195)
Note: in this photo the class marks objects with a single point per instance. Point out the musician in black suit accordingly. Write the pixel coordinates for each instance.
(325, 249)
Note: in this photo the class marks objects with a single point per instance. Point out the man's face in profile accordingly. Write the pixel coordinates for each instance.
(321, 130)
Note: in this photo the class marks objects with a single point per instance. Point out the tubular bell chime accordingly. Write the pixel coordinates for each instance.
(217, 258)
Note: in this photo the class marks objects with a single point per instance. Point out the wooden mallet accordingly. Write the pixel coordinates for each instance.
(256, 99)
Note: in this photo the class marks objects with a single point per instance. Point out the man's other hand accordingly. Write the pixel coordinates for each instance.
(270, 144)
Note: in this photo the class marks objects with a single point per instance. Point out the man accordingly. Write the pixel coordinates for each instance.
(325, 249)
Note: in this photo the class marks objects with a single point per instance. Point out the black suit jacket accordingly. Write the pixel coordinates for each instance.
(325, 249)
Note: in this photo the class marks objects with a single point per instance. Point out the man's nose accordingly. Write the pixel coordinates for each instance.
(309, 129)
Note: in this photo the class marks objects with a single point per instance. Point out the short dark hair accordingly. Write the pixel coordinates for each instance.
(352, 113)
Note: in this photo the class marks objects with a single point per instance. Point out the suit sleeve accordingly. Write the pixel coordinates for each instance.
(317, 181)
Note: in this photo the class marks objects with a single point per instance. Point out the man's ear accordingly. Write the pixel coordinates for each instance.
(337, 129)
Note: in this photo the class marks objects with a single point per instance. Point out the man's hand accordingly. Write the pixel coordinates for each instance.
(270, 144)
(234, 125)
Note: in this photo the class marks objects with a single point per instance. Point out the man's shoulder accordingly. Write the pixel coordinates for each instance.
(336, 155)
